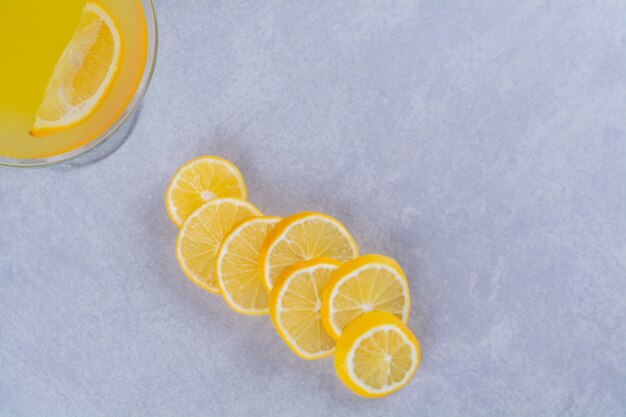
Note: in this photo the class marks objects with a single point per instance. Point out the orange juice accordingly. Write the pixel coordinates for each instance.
(33, 36)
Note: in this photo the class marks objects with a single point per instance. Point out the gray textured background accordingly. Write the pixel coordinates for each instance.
(482, 145)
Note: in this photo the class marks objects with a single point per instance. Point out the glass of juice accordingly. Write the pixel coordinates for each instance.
(72, 73)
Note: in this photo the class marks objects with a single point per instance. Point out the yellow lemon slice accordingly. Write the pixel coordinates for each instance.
(201, 236)
(200, 180)
(376, 355)
(367, 283)
(304, 236)
(83, 75)
(295, 303)
(237, 266)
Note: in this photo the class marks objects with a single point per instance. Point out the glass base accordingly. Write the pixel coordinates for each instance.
(106, 148)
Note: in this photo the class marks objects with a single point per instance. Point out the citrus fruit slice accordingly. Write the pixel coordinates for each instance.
(83, 74)
(237, 266)
(367, 283)
(376, 355)
(201, 236)
(200, 180)
(295, 303)
(304, 236)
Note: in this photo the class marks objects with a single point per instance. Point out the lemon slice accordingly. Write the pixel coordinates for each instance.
(237, 266)
(370, 282)
(304, 236)
(376, 355)
(200, 180)
(295, 303)
(201, 236)
(83, 75)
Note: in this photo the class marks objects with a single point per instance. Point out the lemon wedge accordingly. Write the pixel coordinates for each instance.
(83, 75)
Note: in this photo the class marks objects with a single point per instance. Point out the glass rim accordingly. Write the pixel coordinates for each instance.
(146, 77)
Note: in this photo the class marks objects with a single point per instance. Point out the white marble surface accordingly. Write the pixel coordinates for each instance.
(482, 144)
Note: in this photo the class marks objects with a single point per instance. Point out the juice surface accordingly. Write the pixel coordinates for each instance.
(33, 35)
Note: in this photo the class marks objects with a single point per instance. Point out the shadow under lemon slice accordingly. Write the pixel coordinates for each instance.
(83, 75)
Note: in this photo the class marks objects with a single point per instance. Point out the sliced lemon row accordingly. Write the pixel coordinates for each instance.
(202, 234)
(301, 237)
(322, 297)
(201, 180)
(84, 73)
(376, 355)
(237, 266)
(295, 304)
(367, 283)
